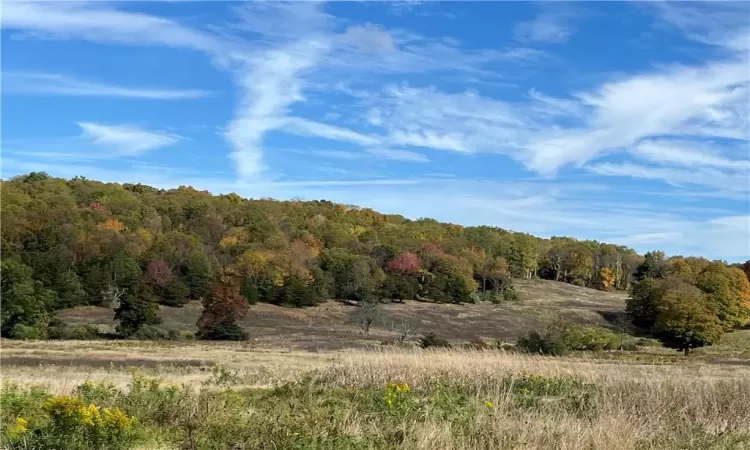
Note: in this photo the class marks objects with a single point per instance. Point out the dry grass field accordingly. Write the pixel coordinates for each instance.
(349, 392)
(455, 400)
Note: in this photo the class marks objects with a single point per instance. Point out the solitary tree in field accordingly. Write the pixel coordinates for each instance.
(223, 307)
(135, 311)
(369, 309)
(684, 320)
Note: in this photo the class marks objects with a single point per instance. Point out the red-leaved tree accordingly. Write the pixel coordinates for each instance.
(223, 307)
(158, 273)
(406, 263)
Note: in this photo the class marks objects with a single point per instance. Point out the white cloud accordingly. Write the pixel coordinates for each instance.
(127, 140)
(372, 49)
(723, 24)
(304, 127)
(95, 21)
(691, 101)
(463, 122)
(725, 181)
(369, 38)
(269, 84)
(687, 153)
(548, 28)
(56, 84)
(378, 153)
(272, 72)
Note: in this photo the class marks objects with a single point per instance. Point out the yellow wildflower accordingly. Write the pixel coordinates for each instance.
(63, 407)
(117, 419)
(20, 427)
(403, 388)
(89, 415)
(489, 404)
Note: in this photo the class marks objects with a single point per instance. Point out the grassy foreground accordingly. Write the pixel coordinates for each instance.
(385, 399)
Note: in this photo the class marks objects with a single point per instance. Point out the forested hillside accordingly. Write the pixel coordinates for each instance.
(79, 242)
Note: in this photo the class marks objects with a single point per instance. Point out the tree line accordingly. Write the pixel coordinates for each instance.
(688, 303)
(75, 242)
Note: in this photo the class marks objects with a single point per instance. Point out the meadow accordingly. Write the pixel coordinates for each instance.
(197, 395)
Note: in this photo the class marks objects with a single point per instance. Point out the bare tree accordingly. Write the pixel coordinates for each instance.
(369, 310)
(622, 325)
(403, 329)
(112, 295)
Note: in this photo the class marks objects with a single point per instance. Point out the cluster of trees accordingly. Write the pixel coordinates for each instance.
(689, 302)
(76, 242)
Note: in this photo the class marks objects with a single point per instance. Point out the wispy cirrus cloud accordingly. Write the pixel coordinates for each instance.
(274, 71)
(305, 127)
(375, 153)
(689, 154)
(720, 24)
(56, 84)
(97, 21)
(737, 182)
(127, 140)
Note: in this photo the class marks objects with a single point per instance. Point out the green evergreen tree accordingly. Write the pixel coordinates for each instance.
(134, 312)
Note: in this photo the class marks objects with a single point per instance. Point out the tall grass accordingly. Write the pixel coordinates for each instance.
(437, 399)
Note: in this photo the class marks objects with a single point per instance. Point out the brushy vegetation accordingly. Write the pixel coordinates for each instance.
(559, 339)
(435, 399)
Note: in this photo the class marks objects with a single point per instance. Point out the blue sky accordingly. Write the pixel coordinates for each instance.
(622, 122)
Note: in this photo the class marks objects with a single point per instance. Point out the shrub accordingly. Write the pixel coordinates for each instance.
(78, 332)
(224, 332)
(646, 342)
(186, 335)
(29, 332)
(478, 344)
(431, 340)
(558, 340)
(507, 346)
(629, 346)
(153, 333)
(84, 332)
(388, 341)
(592, 339)
(510, 294)
(551, 343)
(71, 423)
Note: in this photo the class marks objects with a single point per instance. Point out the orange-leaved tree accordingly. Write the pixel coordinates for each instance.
(223, 307)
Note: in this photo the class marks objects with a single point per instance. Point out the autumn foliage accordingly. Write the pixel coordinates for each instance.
(222, 309)
(406, 263)
(685, 309)
(159, 273)
(67, 241)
